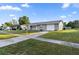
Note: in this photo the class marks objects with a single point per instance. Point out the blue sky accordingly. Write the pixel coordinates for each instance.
(38, 12)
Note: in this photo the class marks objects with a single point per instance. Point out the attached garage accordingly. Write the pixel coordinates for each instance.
(50, 27)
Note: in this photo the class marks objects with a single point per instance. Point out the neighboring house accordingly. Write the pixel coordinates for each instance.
(5, 28)
(67, 28)
(8, 28)
(46, 26)
(21, 27)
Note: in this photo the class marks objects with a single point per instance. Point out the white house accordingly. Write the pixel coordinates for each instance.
(7, 28)
(43, 26)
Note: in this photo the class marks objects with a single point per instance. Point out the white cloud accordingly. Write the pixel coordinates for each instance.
(66, 5)
(69, 15)
(63, 16)
(25, 5)
(14, 17)
(74, 12)
(8, 7)
(11, 15)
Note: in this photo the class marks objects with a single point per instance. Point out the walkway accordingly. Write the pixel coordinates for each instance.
(35, 36)
(75, 45)
(10, 41)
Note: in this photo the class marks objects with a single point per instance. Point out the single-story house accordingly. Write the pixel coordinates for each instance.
(5, 28)
(40, 26)
(46, 26)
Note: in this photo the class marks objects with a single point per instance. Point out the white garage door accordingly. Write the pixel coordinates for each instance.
(50, 27)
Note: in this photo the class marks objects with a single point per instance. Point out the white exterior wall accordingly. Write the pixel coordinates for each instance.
(38, 27)
(61, 26)
(50, 27)
(28, 27)
(34, 27)
(24, 27)
(7, 28)
(56, 27)
(43, 27)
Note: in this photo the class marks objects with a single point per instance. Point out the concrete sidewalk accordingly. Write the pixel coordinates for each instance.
(75, 45)
(10, 41)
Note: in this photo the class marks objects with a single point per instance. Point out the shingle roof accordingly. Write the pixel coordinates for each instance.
(48, 22)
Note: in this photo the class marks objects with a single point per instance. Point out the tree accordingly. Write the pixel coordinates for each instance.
(70, 24)
(76, 23)
(24, 20)
(3, 25)
(14, 22)
(8, 24)
(65, 24)
(73, 24)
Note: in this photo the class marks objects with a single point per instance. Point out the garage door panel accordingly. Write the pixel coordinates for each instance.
(50, 27)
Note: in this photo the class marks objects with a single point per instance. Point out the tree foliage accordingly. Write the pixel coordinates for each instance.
(73, 24)
(8, 24)
(24, 20)
(65, 24)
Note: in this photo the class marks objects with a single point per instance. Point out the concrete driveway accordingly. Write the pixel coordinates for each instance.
(10, 41)
(60, 42)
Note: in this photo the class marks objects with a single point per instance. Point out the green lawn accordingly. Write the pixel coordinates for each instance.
(14, 33)
(35, 47)
(21, 32)
(7, 36)
(66, 35)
